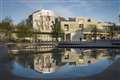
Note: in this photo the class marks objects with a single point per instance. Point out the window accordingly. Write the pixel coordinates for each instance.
(89, 20)
(66, 27)
(81, 25)
(48, 18)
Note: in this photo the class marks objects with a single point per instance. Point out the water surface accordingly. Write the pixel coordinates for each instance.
(63, 63)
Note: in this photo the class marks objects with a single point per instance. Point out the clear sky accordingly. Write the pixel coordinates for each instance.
(101, 10)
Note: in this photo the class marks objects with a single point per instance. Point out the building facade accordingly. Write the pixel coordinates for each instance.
(74, 29)
(82, 28)
(43, 21)
(44, 63)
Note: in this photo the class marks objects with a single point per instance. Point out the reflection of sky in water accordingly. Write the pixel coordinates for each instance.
(66, 70)
(100, 59)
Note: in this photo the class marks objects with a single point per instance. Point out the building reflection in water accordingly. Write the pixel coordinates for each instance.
(53, 61)
(44, 63)
(84, 57)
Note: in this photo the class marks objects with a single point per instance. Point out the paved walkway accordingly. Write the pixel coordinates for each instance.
(111, 73)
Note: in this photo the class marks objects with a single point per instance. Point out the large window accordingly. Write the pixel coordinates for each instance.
(66, 27)
(81, 25)
(89, 20)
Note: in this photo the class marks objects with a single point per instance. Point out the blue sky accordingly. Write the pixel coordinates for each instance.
(101, 10)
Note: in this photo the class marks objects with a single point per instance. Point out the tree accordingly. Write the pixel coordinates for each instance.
(24, 29)
(7, 27)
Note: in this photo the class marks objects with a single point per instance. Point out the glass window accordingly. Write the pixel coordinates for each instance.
(66, 27)
(81, 25)
(89, 20)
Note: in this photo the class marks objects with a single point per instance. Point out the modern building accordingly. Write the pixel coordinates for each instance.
(74, 29)
(82, 28)
(43, 21)
(84, 57)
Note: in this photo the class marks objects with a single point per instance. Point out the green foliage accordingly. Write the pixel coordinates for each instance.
(24, 29)
(6, 24)
(6, 27)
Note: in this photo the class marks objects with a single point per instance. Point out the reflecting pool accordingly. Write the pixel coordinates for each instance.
(63, 62)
